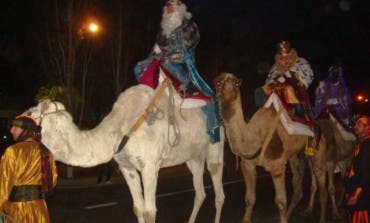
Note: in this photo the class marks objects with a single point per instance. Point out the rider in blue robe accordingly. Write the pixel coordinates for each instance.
(175, 49)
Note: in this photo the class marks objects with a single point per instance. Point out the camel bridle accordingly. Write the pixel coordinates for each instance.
(43, 113)
(227, 79)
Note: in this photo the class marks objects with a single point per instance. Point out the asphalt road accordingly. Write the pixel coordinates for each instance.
(112, 202)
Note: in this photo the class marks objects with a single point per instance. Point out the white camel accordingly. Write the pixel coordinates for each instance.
(147, 150)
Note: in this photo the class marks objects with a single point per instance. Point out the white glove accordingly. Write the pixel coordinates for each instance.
(281, 79)
(156, 49)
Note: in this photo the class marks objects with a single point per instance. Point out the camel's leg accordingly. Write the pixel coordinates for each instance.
(149, 175)
(313, 191)
(250, 178)
(132, 178)
(215, 167)
(321, 179)
(278, 178)
(331, 188)
(320, 171)
(343, 170)
(297, 166)
(196, 167)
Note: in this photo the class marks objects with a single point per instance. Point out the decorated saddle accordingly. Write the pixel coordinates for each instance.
(198, 94)
(156, 73)
(292, 124)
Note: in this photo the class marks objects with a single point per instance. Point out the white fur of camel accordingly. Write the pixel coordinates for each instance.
(146, 151)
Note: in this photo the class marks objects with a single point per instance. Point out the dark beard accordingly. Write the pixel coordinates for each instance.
(26, 134)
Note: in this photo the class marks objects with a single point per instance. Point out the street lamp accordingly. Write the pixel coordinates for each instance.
(93, 27)
(85, 34)
(90, 28)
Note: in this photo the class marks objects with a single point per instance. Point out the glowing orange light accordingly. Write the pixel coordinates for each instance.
(360, 98)
(93, 27)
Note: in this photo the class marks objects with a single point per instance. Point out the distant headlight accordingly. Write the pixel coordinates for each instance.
(5, 136)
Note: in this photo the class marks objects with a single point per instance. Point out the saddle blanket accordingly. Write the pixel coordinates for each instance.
(293, 127)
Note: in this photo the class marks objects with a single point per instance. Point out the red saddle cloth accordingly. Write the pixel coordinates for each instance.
(289, 110)
(150, 77)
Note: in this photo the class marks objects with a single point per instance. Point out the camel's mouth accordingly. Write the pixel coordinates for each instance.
(227, 86)
(227, 96)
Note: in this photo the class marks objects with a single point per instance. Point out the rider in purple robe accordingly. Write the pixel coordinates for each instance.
(333, 95)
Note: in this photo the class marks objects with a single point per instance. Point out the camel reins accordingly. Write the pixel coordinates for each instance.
(44, 114)
(144, 116)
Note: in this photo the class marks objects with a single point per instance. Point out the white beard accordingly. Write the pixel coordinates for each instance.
(170, 22)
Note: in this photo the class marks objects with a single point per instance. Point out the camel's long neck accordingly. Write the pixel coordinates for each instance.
(79, 148)
(232, 111)
(237, 130)
(98, 145)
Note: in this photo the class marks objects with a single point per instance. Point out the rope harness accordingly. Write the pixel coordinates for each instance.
(44, 114)
(153, 112)
(172, 120)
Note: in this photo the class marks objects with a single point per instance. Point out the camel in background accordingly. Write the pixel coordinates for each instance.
(248, 138)
(340, 144)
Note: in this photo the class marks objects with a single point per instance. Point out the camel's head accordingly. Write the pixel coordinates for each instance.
(52, 116)
(227, 86)
(43, 109)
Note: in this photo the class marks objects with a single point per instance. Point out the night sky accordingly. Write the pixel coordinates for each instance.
(240, 35)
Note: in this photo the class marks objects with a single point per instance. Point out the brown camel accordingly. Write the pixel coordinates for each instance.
(339, 153)
(248, 138)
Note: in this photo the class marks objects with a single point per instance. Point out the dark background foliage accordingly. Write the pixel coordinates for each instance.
(237, 36)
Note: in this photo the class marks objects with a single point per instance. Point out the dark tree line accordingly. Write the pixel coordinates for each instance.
(43, 46)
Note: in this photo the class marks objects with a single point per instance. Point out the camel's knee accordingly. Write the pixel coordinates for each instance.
(149, 216)
(313, 188)
(320, 175)
(250, 201)
(220, 199)
(215, 168)
(281, 202)
(297, 178)
(297, 191)
(331, 190)
(297, 195)
(200, 197)
(323, 196)
(138, 211)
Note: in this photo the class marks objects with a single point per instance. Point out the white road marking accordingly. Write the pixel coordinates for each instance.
(100, 205)
(190, 190)
(169, 194)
